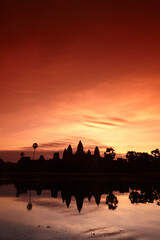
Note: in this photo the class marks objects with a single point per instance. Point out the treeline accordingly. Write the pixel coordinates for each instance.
(82, 161)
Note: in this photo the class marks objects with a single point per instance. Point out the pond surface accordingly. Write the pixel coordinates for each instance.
(70, 212)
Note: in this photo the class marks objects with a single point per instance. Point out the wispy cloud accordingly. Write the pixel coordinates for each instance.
(93, 126)
(52, 145)
(48, 145)
(105, 123)
(113, 121)
(120, 120)
(89, 117)
(63, 143)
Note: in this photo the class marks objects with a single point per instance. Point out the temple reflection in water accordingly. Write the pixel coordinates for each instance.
(80, 190)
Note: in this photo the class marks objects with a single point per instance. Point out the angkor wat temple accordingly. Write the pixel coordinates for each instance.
(82, 161)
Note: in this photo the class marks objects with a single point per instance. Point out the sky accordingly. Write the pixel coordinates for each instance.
(79, 70)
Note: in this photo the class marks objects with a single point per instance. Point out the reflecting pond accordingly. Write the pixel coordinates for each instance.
(79, 210)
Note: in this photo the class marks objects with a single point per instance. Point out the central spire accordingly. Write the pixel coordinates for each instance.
(80, 147)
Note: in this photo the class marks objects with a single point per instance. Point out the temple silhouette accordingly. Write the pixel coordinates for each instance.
(83, 175)
(81, 161)
(77, 191)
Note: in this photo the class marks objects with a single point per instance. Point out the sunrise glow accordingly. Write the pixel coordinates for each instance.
(71, 73)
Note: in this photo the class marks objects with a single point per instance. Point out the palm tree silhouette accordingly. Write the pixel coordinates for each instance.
(35, 145)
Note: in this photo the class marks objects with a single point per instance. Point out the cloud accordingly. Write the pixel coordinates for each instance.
(89, 117)
(92, 119)
(121, 120)
(105, 123)
(63, 143)
(52, 144)
(88, 125)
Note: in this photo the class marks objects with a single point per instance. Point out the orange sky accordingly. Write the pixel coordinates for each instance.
(72, 70)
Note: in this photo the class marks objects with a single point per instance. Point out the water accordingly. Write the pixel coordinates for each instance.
(89, 215)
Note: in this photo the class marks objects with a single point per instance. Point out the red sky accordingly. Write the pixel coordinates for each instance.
(84, 69)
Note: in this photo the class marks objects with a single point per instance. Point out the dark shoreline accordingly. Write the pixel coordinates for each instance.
(74, 176)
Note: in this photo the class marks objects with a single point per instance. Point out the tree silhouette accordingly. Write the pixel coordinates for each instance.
(35, 145)
(109, 153)
(142, 157)
(131, 156)
(111, 201)
(155, 153)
